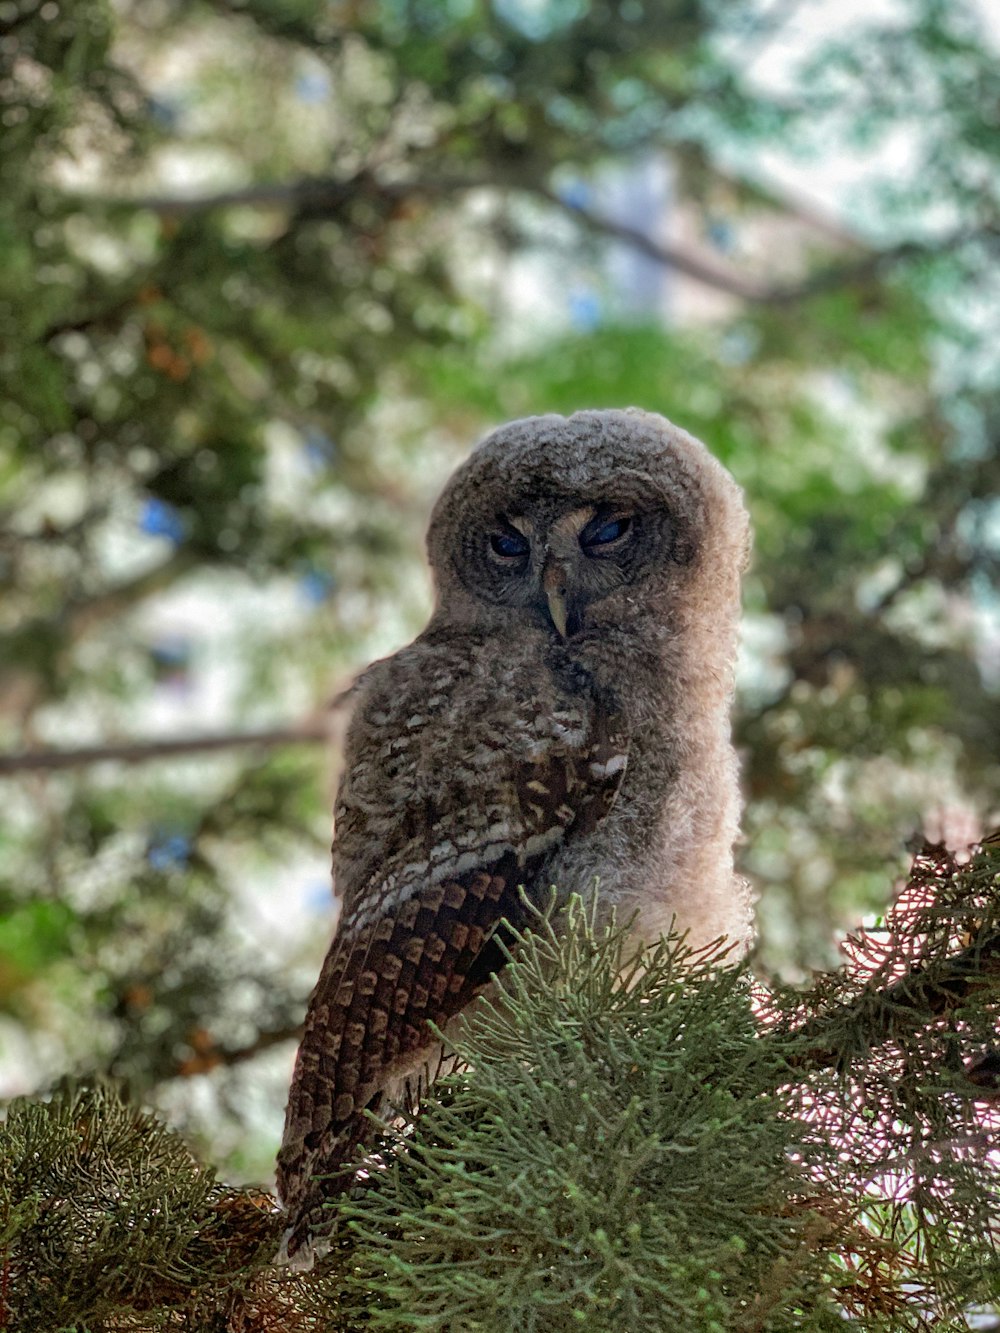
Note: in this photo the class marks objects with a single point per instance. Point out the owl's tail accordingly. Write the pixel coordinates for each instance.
(311, 1194)
(311, 1233)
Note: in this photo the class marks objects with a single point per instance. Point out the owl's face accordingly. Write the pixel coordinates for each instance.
(556, 557)
(573, 524)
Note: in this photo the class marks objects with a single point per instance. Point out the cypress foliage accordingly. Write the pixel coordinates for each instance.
(108, 1222)
(614, 1156)
(662, 1144)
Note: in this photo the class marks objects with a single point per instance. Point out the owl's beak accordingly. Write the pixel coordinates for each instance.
(554, 586)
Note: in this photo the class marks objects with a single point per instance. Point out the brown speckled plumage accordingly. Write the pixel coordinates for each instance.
(502, 750)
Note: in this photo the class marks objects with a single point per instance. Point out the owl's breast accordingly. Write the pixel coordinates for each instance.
(456, 754)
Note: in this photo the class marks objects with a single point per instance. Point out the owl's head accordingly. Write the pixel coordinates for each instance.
(575, 524)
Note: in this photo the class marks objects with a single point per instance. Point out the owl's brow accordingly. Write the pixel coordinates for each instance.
(568, 525)
(573, 523)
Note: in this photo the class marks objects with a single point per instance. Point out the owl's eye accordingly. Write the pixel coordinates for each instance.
(603, 532)
(509, 545)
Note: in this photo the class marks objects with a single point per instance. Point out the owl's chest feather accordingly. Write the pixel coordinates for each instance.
(454, 756)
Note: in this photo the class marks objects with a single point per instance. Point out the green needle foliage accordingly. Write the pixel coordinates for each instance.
(646, 1144)
(614, 1156)
(109, 1222)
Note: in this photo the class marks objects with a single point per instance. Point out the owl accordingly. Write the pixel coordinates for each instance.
(563, 721)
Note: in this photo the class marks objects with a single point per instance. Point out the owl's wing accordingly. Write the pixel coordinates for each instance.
(420, 942)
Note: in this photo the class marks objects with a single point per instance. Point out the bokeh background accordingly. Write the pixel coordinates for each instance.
(268, 268)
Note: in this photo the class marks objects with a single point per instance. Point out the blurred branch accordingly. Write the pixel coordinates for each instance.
(954, 483)
(317, 196)
(311, 731)
(757, 189)
(87, 613)
(312, 192)
(314, 197)
(876, 264)
(671, 256)
(80, 616)
(850, 274)
(208, 1056)
(108, 318)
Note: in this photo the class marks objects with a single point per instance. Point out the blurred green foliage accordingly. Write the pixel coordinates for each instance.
(256, 274)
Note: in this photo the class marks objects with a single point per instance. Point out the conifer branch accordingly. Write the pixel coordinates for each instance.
(925, 992)
(937, 952)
